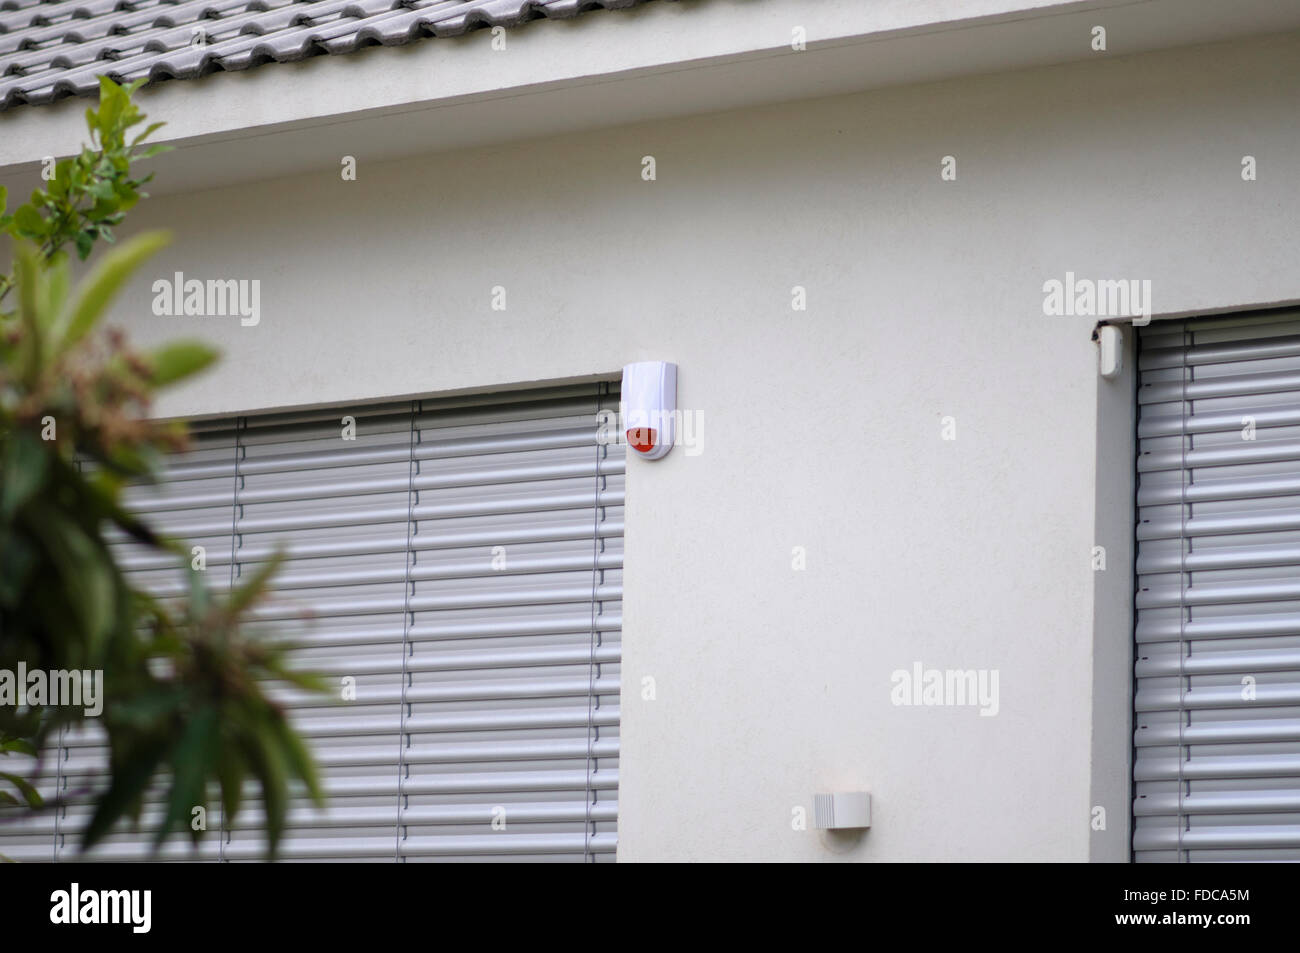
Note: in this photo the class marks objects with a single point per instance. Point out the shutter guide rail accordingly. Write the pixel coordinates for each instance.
(404, 739)
(224, 835)
(590, 795)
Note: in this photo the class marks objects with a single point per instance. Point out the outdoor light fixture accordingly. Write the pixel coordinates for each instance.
(849, 810)
(650, 407)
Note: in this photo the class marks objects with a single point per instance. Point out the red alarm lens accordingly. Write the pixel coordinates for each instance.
(642, 439)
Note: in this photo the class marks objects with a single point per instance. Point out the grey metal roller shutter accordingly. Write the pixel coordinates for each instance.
(458, 567)
(1217, 698)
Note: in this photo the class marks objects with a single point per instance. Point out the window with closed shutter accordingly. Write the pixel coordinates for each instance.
(455, 571)
(1217, 699)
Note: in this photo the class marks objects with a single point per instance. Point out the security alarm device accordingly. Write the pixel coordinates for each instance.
(649, 400)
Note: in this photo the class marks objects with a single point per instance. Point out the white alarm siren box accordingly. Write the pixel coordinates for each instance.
(649, 399)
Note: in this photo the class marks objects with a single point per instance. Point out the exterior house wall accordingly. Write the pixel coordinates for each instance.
(818, 429)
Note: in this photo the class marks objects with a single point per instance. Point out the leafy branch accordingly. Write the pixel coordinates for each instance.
(185, 685)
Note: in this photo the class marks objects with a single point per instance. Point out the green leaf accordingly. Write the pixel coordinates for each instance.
(101, 492)
(131, 775)
(62, 178)
(29, 222)
(178, 360)
(20, 745)
(60, 277)
(148, 706)
(198, 594)
(248, 593)
(95, 293)
(192, 758)
(28, 273)
(268, 767)
(112, 100)
(29, 793)
(25, 462)
(86, 571)
(299, 759)
(230, 773)
(308, 681)
(148, 131)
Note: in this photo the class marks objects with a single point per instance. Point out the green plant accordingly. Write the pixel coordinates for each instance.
(185, 687)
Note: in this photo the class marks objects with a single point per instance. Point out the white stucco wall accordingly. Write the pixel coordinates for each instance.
(821, 429)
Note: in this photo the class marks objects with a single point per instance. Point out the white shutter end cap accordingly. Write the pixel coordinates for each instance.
(1110, 351)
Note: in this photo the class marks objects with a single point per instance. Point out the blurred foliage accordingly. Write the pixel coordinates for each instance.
(185, 701)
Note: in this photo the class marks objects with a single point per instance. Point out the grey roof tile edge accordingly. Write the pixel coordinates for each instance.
(392, 25)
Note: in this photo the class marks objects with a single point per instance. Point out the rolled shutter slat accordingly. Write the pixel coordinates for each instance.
(467, 691)
(1213, 838)
(1164, 425)
(1259, 557)
(1214, 594)
(380, 848)
(397, 484)
(1195, 356)
(485, 660)
(1225, 731)
(1230, 525)
(1244, 802)
(517, 535)
(450, 631)
(1151, 698)
(488, 783)
(292, 607)
(1224, 386)
(1228, 627)
(1216, 663)
(517, 720)
(1229, 455)
(399, 452)
(541, 502)
(1212, 490)
(479, 567)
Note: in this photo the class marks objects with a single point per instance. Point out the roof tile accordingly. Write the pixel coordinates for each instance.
(50, 49)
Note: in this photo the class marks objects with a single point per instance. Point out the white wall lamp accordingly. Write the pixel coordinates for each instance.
(845, 811)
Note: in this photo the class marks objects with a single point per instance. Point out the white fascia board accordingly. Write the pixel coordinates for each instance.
(655, 36)
(603, 68)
